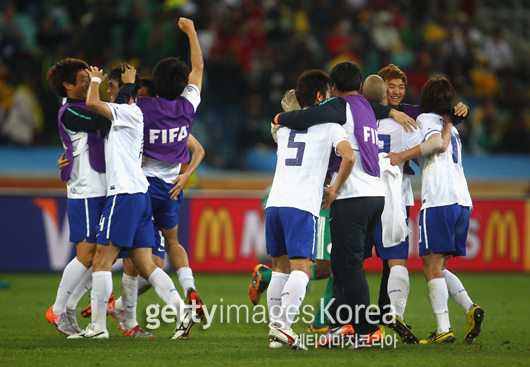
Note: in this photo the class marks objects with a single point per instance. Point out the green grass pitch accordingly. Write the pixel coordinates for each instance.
(27, 339)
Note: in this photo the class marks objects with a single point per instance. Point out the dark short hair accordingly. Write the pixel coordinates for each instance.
(65, 71)
(437, 96)
(149, 85)
(309, 84)
(115, 74)
(347, 77)
(170, 77)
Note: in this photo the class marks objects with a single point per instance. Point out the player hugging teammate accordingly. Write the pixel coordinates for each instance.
(362, 139)
(104, 144)
(436, 148)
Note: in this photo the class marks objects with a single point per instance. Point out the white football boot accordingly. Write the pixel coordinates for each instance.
(90, 333)
(286, 337)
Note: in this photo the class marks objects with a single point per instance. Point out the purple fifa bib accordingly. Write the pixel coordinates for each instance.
(411, 110)
(96, 145)
(167, 125)
(365, 131)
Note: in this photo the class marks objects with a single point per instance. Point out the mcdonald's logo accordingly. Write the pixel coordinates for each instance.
(217, 227)
(505, 227)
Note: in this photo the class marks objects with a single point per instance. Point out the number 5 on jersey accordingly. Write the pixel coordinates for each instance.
(299, 146)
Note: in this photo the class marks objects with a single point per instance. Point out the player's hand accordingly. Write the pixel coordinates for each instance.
(179, 183)
(395, 158)
(144, 160)
(274, 131)
(128, 74)
(94, 71)
(186, 25)
(408, 123)
(289, 101)
(63, 162)
(461, 109)
(329, 197)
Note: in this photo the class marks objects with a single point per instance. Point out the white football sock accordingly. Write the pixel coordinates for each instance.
(274, 298)
(72, 274)
(398, 288)
(438, 296)
(293, 295)
(143, 285)
(129, 296)
(83, 286)
(119, 304)
(457, 291)
(165, 289)
(186, 279)
(101, 291)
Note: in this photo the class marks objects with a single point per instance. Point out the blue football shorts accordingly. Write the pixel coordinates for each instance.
(290, 231)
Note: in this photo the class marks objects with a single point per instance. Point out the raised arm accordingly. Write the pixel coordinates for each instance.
(433, 145)
(93, 101)
(125, 93)
(197, 154)
(332, 110)
(382, 112)
(446, 133)
(80, 119)
(197, 63)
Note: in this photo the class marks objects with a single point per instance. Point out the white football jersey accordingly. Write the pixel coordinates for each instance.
(303, 158)
(442, 175)
(168, 171)
(394, 138)
(84, 181)
(123, 151)
(360, 183)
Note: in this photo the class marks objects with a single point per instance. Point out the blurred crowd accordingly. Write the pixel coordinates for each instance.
(254, 50)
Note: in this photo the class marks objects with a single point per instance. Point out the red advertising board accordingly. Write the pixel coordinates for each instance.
(228, 235)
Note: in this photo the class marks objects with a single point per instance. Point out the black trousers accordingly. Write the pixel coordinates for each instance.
(352, 223)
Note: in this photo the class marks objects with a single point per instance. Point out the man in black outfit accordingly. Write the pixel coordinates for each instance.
(356, 209)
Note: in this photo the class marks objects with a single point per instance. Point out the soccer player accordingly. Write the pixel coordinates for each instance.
(396, 82)
(117, 95)
(357, 209)
(445, 211)
(131, 286)
(123, 310)
(126, 218)
(393, 138)
(168, 120)
(293, 206)
(82, 133)
(321, 269)
(166, 199)
(147, 88)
